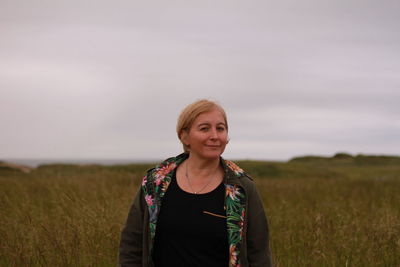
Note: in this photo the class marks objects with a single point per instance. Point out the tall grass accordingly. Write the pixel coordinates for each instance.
(335, 222)
(320, 213)
(53, 219)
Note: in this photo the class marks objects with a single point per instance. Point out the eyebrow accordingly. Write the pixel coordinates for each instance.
(207, 123)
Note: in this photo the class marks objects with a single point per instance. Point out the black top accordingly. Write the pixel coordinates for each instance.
(191, 229)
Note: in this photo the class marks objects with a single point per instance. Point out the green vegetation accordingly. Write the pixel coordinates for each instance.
(338, 211)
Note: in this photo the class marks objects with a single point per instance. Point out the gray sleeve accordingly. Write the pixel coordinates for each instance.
(131, 243)
(257, 236)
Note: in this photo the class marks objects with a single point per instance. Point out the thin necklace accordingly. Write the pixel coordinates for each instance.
(190, 185)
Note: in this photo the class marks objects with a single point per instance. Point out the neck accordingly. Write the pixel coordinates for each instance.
(202, 166)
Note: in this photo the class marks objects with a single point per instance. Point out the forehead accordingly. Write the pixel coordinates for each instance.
(213, 116)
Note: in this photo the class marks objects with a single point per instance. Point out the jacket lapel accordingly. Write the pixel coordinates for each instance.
(154, 186)
(235, 202)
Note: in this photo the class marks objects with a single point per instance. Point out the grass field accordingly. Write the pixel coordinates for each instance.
(341, 211)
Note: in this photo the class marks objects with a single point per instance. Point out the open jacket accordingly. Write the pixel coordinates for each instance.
(247, 226)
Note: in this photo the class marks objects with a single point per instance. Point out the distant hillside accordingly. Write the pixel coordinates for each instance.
(14, 167)
(359, 159)
(295, 167)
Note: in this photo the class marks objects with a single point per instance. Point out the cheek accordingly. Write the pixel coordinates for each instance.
(197, 137)
(224, 136)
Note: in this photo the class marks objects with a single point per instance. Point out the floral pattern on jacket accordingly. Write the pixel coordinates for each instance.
(156, 182)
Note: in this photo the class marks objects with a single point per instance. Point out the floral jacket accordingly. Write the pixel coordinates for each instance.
(247, 226)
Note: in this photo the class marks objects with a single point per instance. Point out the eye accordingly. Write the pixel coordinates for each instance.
(220, 128)
(204, 129)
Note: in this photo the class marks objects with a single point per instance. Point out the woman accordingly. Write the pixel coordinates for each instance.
(197, 209)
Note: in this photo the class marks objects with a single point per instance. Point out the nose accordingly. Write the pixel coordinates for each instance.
(214, 134)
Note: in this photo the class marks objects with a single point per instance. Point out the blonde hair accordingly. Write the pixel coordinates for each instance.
(191, 112)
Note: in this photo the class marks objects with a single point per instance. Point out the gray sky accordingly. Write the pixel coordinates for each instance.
(107, 79)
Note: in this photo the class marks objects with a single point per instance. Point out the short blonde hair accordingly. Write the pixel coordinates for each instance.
(191, 112)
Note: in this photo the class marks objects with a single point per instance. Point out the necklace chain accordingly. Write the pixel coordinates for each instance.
(190, 185)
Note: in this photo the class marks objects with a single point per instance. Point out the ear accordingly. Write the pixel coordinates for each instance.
(185, 137)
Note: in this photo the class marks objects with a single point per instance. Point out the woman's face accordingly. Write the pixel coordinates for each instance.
(208, 135)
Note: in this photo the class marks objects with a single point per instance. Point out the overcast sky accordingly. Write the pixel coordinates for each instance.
(107, 79)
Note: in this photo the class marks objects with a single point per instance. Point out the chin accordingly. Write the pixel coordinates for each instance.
(213, 154)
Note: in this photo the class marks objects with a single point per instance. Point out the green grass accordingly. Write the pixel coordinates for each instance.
(343, 211)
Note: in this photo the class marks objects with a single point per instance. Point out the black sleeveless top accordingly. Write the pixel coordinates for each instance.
(191, 229)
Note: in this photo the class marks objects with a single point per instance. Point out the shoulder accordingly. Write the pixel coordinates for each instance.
(164, 168)
(236, 170)
(236, 174)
